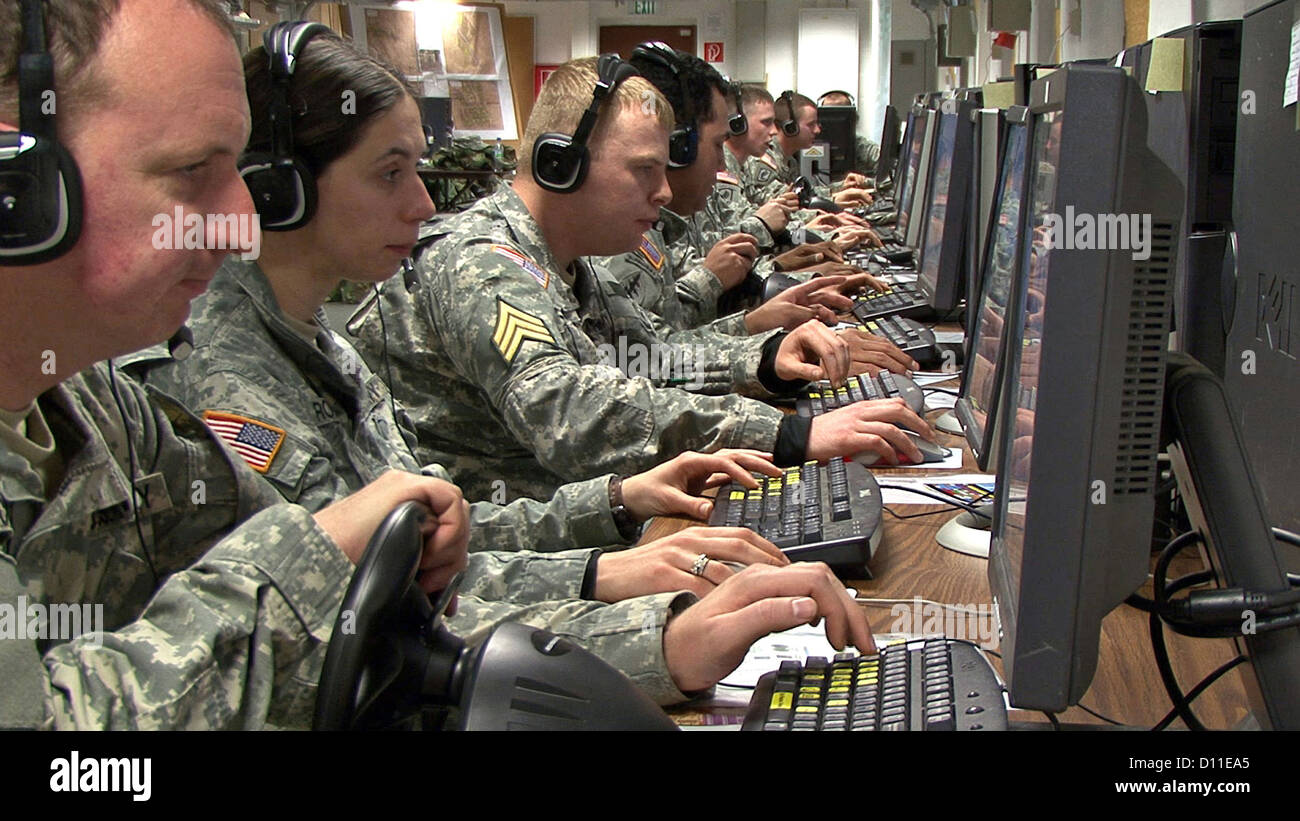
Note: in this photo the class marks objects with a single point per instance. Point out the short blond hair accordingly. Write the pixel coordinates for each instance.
(567, 93)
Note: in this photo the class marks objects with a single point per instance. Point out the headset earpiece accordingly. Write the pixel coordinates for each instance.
(559, 161)
(789, 126)
(684, 142)
(282, 187)
(40, 187)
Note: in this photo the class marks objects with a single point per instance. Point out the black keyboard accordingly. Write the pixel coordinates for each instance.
(821, 397)
(903, 298)
(926, 684)
(815, 513)
(909, 336)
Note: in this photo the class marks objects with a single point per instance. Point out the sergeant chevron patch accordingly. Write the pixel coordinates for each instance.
(515, 327)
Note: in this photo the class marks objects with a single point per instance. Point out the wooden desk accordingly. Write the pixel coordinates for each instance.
(1127, 686)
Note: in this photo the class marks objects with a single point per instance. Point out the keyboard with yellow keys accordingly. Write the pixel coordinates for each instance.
(924, 684)
(815, 513)
(901, 298)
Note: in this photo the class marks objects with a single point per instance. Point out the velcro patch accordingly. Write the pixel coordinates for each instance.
(256, 441)
(651, 252)
(535, 270)
(728, 177)
(515, 327)
(766, 159)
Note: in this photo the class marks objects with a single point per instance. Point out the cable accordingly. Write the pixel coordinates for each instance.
(1093, 712)
(1056, 724)
(948, 391)
(388, 368)
(904, 517)
(948, 500)
(130, 451)
(1198, 689)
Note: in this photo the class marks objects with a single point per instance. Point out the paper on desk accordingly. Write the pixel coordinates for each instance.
(892, 496)
(940, 401)
(949, 337)
(924, 378)
(898, 277)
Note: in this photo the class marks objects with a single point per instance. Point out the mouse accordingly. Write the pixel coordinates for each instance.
(930, 452)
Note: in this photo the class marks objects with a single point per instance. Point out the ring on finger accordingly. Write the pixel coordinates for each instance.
(700, 565)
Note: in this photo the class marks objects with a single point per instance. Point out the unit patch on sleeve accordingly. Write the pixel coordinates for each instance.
(256, 441)
(651, 252)
(728, 177)
(534, 270)
(515, 327)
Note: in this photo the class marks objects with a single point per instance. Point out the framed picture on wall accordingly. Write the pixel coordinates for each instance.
(449, 51)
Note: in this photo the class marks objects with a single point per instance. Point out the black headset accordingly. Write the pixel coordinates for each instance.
(684, 142)
(40, 187)
(560, 162)
(283, 188)
(738, 123)
(789, 126)
(852, 102)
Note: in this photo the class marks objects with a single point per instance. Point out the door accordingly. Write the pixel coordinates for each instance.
(622, 39)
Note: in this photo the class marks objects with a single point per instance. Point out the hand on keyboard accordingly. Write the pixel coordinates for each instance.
(710, 638)
(868, 426)
(872, 354)
(665, 565)
(811, 352)
(673, 488)
(795, 306)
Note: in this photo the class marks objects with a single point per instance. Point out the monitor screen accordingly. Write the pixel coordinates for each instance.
(943, 224)
(921, 137)
(888, 146)
(1080, 417)
(981, 383)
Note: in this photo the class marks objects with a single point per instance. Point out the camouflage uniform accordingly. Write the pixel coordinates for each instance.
(499, 360)
(208, 638)
(340, 434)
(728, 211)
(666, 276)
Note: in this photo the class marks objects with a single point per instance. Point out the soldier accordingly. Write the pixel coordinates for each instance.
(866, 152)
(336, 426)
(764, 177)
(671, 276)
(508, 336)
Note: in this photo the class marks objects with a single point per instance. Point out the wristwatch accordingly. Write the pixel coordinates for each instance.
(628, 527)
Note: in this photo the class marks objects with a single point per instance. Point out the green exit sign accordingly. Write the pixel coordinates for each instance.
(643, 6)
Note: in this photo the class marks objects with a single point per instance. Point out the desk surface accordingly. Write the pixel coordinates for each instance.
(1127, 686)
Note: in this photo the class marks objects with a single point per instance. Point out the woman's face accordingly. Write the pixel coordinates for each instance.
(372, 201)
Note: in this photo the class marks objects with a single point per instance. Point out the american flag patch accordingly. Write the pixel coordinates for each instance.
(534, 270)
(256, 441)
(728, 177)
(652, 253)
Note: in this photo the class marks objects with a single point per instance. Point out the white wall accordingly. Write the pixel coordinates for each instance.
(1100, 32)
(1167, 15)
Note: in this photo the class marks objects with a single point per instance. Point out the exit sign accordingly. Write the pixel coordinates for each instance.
(643, 6)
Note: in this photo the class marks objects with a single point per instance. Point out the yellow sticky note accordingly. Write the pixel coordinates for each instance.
(999, 95)
(1166, 70)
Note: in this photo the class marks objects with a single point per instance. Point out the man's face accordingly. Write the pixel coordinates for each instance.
(691, 185)
(167, 136)
(626, 184)
(761, 116)
(372, 200)
(809, 127)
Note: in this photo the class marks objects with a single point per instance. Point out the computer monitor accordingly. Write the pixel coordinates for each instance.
(986, 147)
(839, 125)
(889, 139)
(1081, 421)
(912, 193)
(999, 299)
(901, 165)
(1262, 372)
(1194, 132)
(943, 227)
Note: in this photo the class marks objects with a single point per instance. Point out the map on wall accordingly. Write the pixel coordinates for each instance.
(467, 39)
(475, 105)
(390, 36)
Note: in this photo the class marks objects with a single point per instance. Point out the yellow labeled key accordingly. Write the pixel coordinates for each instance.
(782, 701)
